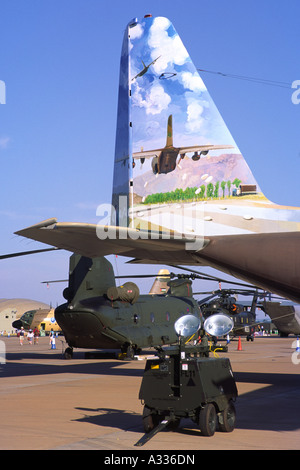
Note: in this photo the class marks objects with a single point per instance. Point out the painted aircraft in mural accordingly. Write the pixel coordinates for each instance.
(145, 69)
(164, 159)
(201, 215)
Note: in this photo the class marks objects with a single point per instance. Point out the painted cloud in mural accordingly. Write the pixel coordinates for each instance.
(170, 110)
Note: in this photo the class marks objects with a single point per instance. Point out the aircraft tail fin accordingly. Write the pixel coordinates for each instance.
(200, 161)
(160, 285)
(169, 142)
(88, 277)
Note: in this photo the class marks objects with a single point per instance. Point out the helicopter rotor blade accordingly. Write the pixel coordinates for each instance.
(24, 253)
(127, 276)
(52, 282)
(213, 278)
(142, 276)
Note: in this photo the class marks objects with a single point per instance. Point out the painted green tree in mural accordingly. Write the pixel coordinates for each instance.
(202, 191)
(209, 191)
(223, 186)
(228, 186)
(236, 182)
(216, 189)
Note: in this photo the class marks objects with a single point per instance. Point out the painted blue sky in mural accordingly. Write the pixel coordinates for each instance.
(165, 82)
(171, 85)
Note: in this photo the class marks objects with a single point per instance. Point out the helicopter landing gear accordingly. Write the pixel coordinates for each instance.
(68, 354)
(130, 350)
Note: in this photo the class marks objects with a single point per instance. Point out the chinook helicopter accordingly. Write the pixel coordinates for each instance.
(98, 314)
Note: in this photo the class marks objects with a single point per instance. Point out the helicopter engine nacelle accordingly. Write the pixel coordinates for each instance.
(181, 287)
(128, 292)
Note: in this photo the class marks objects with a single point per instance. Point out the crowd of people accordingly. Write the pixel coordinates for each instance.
(32, 336)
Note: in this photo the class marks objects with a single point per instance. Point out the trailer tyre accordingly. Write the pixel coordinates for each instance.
(227, 418)
(150, 419)
(208, 420)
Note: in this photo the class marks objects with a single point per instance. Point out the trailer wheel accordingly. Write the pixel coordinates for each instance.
(227, 418)
(150, 419)
(208, 420)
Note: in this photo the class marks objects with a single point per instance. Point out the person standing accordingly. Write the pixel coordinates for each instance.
(36, 335)
(30, 336)
(22, 334)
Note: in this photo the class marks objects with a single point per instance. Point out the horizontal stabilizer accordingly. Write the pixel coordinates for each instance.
(97, 240)
(268, 260)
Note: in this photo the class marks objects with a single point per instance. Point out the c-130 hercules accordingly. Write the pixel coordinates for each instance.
(246, 236)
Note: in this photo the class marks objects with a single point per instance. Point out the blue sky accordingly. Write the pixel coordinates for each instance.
(60, 64)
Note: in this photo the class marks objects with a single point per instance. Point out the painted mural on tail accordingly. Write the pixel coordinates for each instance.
(177, 165)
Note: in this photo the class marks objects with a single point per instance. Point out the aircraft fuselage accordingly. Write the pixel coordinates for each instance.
(165, 162)
(99, 323)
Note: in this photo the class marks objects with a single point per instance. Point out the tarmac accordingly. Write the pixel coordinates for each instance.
(50, 403)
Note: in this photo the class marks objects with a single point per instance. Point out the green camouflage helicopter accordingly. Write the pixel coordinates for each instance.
(100, 315)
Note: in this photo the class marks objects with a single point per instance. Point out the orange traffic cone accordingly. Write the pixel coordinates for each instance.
(239, 348)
